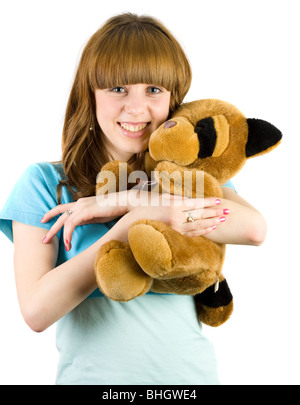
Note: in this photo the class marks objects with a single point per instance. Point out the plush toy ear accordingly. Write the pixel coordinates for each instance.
(262, 137)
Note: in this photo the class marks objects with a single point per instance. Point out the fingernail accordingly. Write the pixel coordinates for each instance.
(213, 227)
(226, 211)
(218, 201)
(68, 245)
(42, 219)
(222, 219)
(45, 239)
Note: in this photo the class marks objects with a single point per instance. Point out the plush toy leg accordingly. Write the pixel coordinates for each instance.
(164, 253)
(214, 307)
(118, 275)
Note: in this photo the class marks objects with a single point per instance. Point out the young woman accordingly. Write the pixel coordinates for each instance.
(131, 76)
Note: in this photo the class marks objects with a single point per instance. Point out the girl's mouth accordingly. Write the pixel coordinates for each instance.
(134, 129)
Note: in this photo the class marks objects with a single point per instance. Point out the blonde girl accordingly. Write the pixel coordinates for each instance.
(131, 76)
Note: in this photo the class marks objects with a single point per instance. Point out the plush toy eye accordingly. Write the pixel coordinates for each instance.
(207, 136)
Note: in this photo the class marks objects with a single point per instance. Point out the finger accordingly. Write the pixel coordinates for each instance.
(59, 209)
(54, 229)
(71, 222)
(68, 232)
(203, 223)
(208, 213)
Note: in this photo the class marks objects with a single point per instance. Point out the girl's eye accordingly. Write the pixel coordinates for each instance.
(117, 89)
(154, 90)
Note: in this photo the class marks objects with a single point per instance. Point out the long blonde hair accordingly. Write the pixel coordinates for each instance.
(127, 49)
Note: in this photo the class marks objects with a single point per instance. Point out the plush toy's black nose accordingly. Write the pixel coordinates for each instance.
(170, 124)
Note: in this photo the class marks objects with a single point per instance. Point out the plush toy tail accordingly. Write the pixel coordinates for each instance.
(214, 308)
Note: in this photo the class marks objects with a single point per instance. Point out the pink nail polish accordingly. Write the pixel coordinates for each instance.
(67, 248)
(45, 239)
(213, 227)
(42, 219)
(222, 219)
(218, 201)
(226, 211)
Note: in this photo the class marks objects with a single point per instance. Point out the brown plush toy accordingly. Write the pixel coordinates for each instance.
(202, 146)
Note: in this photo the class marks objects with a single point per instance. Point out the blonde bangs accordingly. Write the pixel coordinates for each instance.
(137, 56)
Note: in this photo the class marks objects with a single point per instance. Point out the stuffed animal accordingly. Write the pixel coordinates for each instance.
(203, 145)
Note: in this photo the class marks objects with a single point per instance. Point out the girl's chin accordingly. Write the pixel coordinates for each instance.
(134, 145)
(137, 150)
(127, 153)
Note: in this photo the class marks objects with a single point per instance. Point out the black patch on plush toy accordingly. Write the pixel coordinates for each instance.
(205, 129)
(261, 136)
(213, 299)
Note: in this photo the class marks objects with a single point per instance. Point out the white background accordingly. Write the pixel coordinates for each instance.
(244, 52)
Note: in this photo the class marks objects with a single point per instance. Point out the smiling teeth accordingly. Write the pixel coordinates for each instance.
(133, 128)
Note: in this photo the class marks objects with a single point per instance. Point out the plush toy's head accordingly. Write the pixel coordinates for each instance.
(213, 136)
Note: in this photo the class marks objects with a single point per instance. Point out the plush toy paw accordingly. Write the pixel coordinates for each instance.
(164, 253)
(215, 304)
(118, 275)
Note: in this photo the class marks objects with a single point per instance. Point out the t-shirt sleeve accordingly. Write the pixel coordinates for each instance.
(229, 184)
(32, 196)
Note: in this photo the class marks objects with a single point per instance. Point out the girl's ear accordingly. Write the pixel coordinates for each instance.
(262, 137)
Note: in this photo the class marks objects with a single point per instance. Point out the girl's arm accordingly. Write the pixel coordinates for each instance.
(244, 225)
(45, 292)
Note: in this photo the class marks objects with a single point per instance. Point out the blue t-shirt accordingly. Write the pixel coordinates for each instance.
(153, 339)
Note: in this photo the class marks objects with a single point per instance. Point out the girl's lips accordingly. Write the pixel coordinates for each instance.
(134, 129)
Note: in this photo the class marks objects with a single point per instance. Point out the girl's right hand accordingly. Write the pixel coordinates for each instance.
(84, 211)
(88, 210)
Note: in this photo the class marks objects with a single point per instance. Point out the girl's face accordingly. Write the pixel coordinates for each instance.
(128, 115)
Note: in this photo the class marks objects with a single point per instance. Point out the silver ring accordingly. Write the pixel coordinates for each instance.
(190, 218)
(69, 212)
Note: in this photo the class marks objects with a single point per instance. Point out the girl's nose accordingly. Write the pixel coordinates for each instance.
(135, 104)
